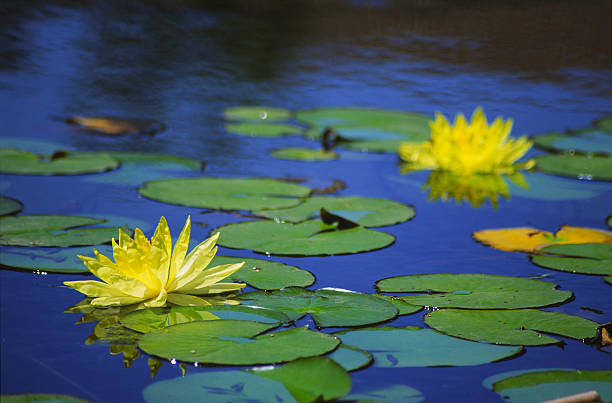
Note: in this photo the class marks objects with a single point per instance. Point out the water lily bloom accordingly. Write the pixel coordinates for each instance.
(467, 148)
(152, 273)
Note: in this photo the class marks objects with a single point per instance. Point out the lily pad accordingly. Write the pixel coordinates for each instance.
(314, 379)
(263, 129)
(604, 124)
(9, 206)
(309, 238)
(365, 211)
(516, 327)
(50, 260)
(475, 291)
(146, 320)
(576, 166)
(42, 398)
(328, 307)
(393, 393)
(256, 114)
(351, 358)
(235, 342)
(402, 306)
(265, 274)
(586, 258)
(114, 126)
(226, 193)
(397, 347)
(583, 141)
(303, 154)
(541, 186)
(53, 230)
(539, 385)
(13, 161)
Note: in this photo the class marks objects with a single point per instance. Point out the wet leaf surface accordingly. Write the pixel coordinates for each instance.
(576, 166)
(587, 258)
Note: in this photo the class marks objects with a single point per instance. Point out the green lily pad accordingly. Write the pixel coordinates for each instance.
(41, 398)
(351, 358)
(604, 124)
(50, 260)
(539, 385)
(515, 327)
(256, 114)
(9, 206)
(235, 342)
(328, 307)
(576, 166)
(309, 238)
(226, 193)
(393, 393)
(263, 129)
(146, 320)
(303, 154)
(582, 141)
(586, 258)
(475, 291)
(13, 161)
(265, 274)
(397, 347)
(402, 306)
(314, 379)
(608, 280)
(542, 186)
(365, 211)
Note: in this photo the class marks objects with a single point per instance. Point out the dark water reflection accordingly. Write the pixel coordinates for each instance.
(546, 64)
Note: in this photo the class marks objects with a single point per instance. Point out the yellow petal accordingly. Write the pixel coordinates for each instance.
(217, 288)
(158, 301)
(114, 301)
(186, 300)
(194, 263)
(211, 276)
(179, 252)
(93, 288)
(115, 279)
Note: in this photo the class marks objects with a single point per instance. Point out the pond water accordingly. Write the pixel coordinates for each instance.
(548, 66)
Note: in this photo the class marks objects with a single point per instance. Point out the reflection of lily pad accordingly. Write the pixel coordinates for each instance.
(516, 327)
(42, 398)
(365, 211)
(539, 385)
(583, 141)
(351, 358)
(53, 230)
(393, 393)
(146, 320)
(226, 193)
(586, 258)
(256, 114)
(396, 347)
(303, 154)
(576, 166)
(263, 129)
(265, 274)
(327, 307)
(52, 260)
(475, 291)
(13, 161)
(112, 125)
(9, 206)
(235, 342)
(309, 238)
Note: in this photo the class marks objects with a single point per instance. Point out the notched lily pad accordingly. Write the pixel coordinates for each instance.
(585, 167)
(402, 306)
(265, 274)
(328, 307)
(586, 258)
(516, 327)
(14, 161)
(114, 126)
(474, 291)
(365, 211)
(235, 342)
(303, 154)
(9, 206)
(351, 358)
(256, 114)
(397, 347)
(309, 238)
(226, 193)
(263, 129)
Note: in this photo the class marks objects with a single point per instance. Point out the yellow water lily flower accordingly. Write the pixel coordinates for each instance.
(152, 274)
(467, 148)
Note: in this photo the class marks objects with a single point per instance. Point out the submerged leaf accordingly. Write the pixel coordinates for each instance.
(112, 125)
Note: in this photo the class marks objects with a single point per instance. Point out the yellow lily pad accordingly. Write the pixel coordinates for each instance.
(115, 126)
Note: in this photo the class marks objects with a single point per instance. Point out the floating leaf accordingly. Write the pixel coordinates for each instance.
(13, 161)
(412, 346)
(539, 385)
(303, 154)
(516, 327)
(366, 211)
(393, 393)
(586, 258)
(309, 238)
(256, 114)
(328, 307)
(146, 320)
(351, 358)
(51, 260)
(315, 379)
(576, 166)
(112, 125)
(263, 129)
(265, 274)
(235, 342)
(402, 306)
(531, 240)
(42, 398)
(540, 186)
(475, 291)
(582, 141)
(9, 206)
(604, 123)
(226, 193)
